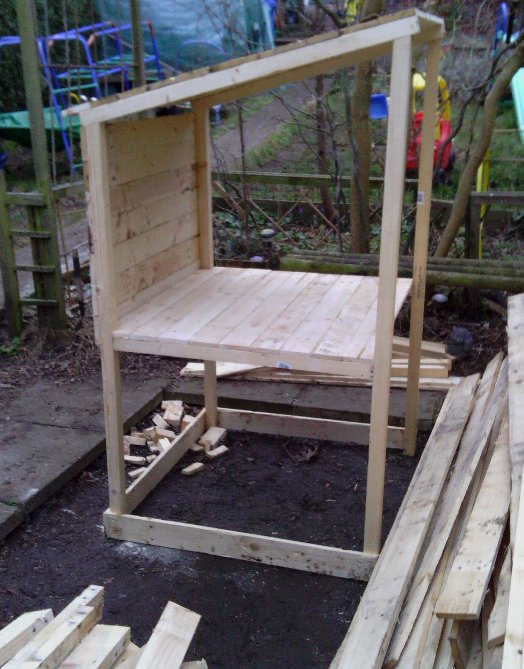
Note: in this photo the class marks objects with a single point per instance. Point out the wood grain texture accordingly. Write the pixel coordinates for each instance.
(368, 637)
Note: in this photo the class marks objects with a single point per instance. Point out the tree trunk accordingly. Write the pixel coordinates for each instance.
(478, 151)
(320, 122)
(361, 143)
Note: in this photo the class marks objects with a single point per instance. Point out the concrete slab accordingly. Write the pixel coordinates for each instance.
(51, 433)
(10, 517)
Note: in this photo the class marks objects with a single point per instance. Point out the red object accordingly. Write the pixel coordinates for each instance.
(446, 162)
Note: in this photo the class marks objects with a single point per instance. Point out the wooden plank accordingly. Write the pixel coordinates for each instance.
(254, 75)
(444, 659)
(499, 615)
(160, 467)
(241, 546)
(420, 252)
(14, 636)
(210, 393)
(514, 640)
(137, 278)
(304, 427)
(55, 641)
(473, 442)
(400, 92)
(100, 649)
(99, 216)
(463, 593)
(368, 637)
(516, 402)
(201, 134)
(461, 639)
(170, 639)
(129, 658)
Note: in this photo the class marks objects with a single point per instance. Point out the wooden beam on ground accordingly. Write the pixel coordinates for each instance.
(56, 640)
(242, 546)
(463, 593)
(100, 649)
(170, 639)
(514, 640)
(368, 637)
(304, 427)
(14, 636)
(473, 442)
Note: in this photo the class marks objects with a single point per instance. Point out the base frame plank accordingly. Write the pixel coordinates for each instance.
(314, 558)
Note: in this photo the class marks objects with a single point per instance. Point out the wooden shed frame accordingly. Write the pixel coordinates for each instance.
(149, 208)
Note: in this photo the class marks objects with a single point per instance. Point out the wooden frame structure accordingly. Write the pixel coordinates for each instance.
(157, 292)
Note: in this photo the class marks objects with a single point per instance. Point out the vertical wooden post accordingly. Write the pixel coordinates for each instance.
(8, 263)
(54, 317)
(205, 231)
(420, 253)
(99, 217)
(138, 43)
(203, 183)
(210, 393)
(388, 269)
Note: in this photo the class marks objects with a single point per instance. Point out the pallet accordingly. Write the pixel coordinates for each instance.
(75, 639)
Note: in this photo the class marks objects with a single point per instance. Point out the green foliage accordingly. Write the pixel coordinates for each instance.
(11, 348)
(50, 12)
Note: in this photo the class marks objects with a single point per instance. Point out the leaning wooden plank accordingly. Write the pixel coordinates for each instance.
(444, 659)
(139, 490)
(465, 588)
(100, 649)
(472, 447)
(15, 635)
(129, 658)
(242, 546)
(461, 639)
(58, 638)
(514, 640)
(366, 643)
(499, 615)
(516, 402)
(170, 639)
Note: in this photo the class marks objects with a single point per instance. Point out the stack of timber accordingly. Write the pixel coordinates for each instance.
(75, 639)
(435, 366)
(448, 589)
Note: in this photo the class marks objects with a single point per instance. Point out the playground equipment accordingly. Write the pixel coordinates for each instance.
(66, 83)
(443, 157)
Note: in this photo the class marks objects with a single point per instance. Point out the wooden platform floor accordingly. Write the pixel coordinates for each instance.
(314, 322)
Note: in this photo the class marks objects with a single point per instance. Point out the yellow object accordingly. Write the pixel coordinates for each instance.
(483, 185)
(418, 84)
(353, 8)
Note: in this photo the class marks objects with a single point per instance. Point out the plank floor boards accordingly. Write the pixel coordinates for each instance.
(319, 316)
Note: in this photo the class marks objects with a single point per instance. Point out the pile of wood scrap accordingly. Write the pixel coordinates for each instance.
(76, 640)
(435, 367)
(448, 589)
(141, 448)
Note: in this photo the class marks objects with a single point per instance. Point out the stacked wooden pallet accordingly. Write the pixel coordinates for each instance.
(76, 640)
(448, 589)
(435, 367)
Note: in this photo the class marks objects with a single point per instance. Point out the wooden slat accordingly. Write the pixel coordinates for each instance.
(58, 638)
(473, 443)
(366, 642)
(499, 615)
(302, 426)
(151, 270)
(100, 649)
(463, 594)
(203, 174)
(170, 639)
(131, 196)
(241, 546)
(514, 640)
(14, 636)
(461, 639)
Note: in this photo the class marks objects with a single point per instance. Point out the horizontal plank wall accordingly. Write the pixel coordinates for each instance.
(153, 201)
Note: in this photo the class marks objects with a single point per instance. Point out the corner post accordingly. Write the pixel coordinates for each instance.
(8, 262)
(420, 253)
(99, 217)
(387, 286)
